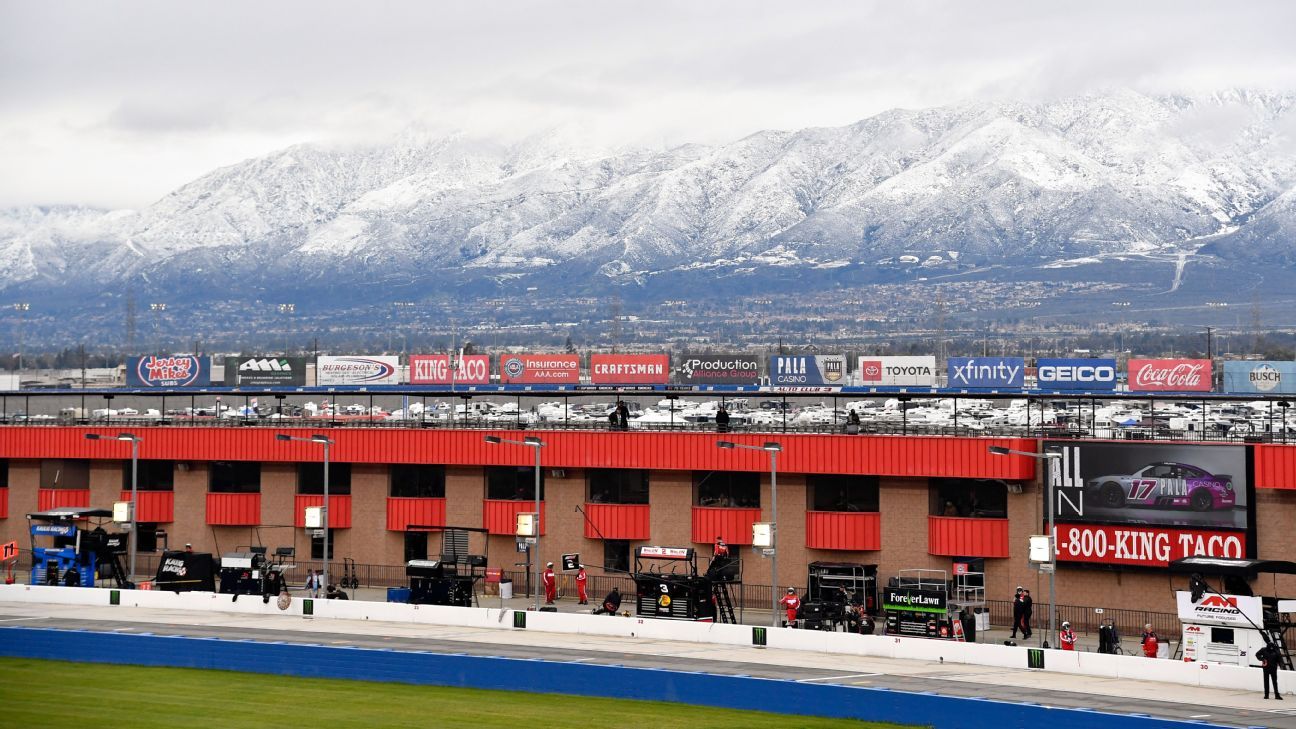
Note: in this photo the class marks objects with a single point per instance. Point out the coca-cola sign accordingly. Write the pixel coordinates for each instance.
(1170, 375)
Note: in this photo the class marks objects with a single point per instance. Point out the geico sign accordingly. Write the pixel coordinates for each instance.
(1077, 373)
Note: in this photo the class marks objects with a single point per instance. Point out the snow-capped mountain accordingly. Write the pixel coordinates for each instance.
(1121, 173)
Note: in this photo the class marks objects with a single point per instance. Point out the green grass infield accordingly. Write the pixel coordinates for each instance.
(65, 694)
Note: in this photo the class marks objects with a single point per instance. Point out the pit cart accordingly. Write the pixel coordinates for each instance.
(1223, 620)
(247, 571)
(667, 585)
(70, 547)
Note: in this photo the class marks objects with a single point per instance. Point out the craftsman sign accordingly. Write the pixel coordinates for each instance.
(914, 601)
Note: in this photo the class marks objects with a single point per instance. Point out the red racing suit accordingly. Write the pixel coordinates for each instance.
(550, 585)
(791, 603)
(1068, 640)
(581, 579)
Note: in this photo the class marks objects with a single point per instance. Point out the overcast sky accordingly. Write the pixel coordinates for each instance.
(114, 104)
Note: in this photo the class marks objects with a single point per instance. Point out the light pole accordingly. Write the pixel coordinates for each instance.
(530, 441)
(157, 309)
(773, 449)
(287, 310)
(1050, 458)
(134, 440)
(22, 308)
(325, 441)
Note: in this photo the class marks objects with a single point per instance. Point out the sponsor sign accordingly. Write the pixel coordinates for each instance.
(53, 530)
(918, 625)
(8, 551)
(914, 601)
(435, 369)
(357, 370)
(265, 371)
(719, 369)
(898, 371)
(986, 372)
(664, 552)
(629, 369)
(540, 369)
(794, 370)
(183, 370)
(1260, 377)
(1144, 546)
(1076, 374)
(1170, 375)
(1242, 610)
(1149, 504)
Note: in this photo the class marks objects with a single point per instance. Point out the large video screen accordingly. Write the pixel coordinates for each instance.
(1149, 504)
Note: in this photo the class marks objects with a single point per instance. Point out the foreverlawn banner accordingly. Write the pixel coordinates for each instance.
(913, 601)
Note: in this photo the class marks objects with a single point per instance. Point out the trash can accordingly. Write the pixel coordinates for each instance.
(982, 619)
(398, 594)
(506, 589)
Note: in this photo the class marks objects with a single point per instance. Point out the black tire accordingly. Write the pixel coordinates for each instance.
(1111, 495)
(1201, 500)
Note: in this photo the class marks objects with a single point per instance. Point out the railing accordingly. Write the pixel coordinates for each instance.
(1258, 427)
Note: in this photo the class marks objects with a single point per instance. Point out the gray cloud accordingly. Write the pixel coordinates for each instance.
(116, 103)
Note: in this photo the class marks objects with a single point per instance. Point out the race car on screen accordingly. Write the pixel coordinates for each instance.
(1175, 485)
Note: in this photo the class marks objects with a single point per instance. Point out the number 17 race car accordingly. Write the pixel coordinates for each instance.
(1173, 485)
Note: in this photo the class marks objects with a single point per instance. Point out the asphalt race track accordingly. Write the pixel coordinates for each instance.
(1215, 706)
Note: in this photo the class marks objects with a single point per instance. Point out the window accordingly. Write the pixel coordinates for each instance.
(317, 544)
(512, 483)
(726, 488)
(842, 493)
(978, 498)
(235, 477)
(65, 474)
(616, 555)
(153, 475)
(148, 538)
(618, 486)
(4, 473)
(310, 478)
(417, 481)
(415, 545)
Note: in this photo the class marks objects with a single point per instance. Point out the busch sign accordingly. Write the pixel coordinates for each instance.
(898, 371)
(179, 371)
(1260, 377)
(1170, 375)
(719, 369)
(629, 369)
(435, 369)
(1076, 374)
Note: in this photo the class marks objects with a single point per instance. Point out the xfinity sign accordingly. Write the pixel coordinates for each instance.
(986, 372)
(1076, 374)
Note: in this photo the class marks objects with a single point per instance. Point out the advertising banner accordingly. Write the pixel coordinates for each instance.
(986, 372)
(1169, 375)
(914, 601)
(629, 369)
(357, 370)
(265, 371)
(1260, 377)
(183, 370)
(898, 371)
(434, 369)
(1243, 610)
(819, 369)
(1075, 374)
(540, 369)
(719, 369)
(1149, 504)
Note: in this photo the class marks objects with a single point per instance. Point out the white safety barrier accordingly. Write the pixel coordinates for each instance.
(920, 649)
